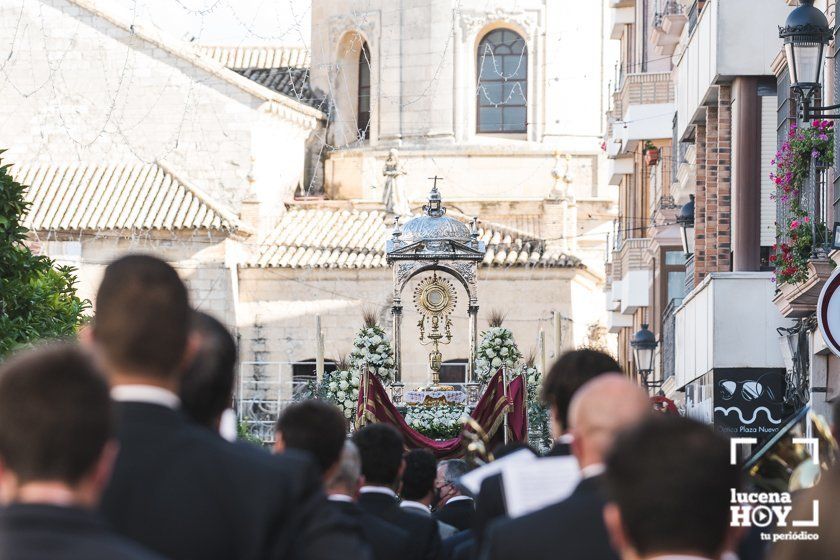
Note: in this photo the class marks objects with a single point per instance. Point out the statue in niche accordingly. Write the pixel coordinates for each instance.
(394, 196)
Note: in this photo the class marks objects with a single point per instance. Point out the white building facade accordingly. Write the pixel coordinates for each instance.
(245, 167)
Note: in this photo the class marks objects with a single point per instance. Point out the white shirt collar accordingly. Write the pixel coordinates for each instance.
(377, 490)
(458, 499)
(340, 498)
(567, 438)
(411, 504)
(146, 394)
(592, 470)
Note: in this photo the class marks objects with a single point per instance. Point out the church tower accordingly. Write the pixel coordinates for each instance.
(482, 93)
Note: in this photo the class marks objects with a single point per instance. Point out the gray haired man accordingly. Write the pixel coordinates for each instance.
(386, 540)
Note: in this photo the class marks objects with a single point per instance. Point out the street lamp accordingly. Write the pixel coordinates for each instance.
(644, 348)
(685, 219)
(806, 34)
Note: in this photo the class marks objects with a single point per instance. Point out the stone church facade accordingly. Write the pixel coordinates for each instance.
(258, 171)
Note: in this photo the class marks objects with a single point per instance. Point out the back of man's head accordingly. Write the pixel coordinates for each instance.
(669, 481)
(314, 426)
(451, 472)
(55, 416)
(599, 410)
(419, 475)
(345, 479)
(568, 374)
(207, 384)
(381, 449)
(142, 318)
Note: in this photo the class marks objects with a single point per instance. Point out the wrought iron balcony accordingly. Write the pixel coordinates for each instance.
(668, 24)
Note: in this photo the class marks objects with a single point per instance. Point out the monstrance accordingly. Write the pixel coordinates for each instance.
(435, 299)
(443, 251)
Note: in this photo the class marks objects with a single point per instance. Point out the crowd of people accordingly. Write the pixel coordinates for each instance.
(110, 449)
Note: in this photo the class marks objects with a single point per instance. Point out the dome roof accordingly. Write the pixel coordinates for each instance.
(433, 224)
(434, 227)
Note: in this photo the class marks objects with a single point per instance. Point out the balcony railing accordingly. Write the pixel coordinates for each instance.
(694, 14)
(645, 88)
(816, 200)
(668, 24)
(667, 8)
(669, 339)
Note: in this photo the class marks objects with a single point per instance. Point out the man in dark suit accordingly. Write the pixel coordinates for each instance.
(320, 429)
(388, 541)
(206, 388)
(568, 374)
(454, 504)
(381, 449)
(56, 453)
(574, 528)
(668, 482)
(179, 488)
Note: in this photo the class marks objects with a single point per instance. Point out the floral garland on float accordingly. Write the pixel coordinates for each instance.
(436, 422)
(791, 254)
(496, 349)
(372, 348)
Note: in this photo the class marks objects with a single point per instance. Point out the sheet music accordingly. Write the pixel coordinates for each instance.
(539, 483)
(473, 479)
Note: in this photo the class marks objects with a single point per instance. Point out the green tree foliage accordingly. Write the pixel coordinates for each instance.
(37, 299)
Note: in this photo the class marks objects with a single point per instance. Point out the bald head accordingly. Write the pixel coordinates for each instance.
(601, 409)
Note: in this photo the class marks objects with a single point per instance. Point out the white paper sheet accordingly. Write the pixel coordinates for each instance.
(537, 484)
(473, 479)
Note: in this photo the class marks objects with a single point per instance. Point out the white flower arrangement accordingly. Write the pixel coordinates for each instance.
(436, 422)
(342, 388)
(497, 348)
(371, 347)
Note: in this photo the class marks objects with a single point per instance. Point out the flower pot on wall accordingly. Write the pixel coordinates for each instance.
(800, 300)
(652, 156)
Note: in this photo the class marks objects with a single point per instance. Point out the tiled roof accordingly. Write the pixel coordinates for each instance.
(288, 56)
(335, 238)
(284, 69)
(116, 196)
(293, 82)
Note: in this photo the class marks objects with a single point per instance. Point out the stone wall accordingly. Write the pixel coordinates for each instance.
(277, 309)
(79, 88)
(198, 257)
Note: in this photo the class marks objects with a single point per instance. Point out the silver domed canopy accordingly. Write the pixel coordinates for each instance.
(432, 236)
(436, 243)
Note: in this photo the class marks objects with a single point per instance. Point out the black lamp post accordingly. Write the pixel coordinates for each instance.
(685, 219)
(644, 353)
(806, 34)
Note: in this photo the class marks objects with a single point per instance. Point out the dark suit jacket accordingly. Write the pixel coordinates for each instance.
(387, 541)
(424, 540)
(459, 514)
(490, 503)
(36, 532)
(451, 546)
(181, 490)
(572, 529)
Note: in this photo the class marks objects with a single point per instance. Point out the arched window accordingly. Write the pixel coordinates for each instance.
(502, 82)
(363, 112)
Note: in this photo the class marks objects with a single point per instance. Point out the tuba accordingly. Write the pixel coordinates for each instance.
(476, 453)
(786, 462)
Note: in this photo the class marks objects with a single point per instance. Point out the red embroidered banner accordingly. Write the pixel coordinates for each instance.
(489, 413)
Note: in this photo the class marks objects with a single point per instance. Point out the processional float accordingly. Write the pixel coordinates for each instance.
(441, 251)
